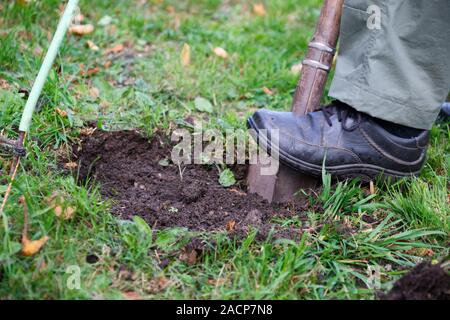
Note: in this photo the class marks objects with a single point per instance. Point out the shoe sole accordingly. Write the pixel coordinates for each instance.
(365, 172)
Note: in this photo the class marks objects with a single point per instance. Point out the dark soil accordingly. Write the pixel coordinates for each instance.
(129, 171)
(424, 282)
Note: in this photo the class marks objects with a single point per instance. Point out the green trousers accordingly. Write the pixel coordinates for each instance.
(394, 59)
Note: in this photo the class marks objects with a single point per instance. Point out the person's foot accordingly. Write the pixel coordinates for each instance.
(353, 144)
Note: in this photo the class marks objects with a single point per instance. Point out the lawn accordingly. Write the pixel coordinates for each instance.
(142, 68)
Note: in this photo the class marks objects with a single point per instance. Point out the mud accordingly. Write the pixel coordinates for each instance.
(424, 282)
(137, 175)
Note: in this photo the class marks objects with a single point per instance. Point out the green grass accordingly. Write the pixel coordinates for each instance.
(148, 88)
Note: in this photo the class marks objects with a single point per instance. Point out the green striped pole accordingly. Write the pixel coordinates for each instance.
(61, 30)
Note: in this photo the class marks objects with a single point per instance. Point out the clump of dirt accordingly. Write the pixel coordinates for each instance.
(424, 282)
(135, 173)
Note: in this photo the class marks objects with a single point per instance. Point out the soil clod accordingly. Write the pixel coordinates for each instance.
(424, 282)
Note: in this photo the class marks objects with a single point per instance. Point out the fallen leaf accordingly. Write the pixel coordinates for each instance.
(87, 131)
(70, 165)
(68, 213)
(115, 49)
(372, 187)
(92, 71)
(259, 9)
(216, 282)
(4, 84)
(92, 45)
(186, 55)
(267, 91)
(220, 52)
(297, 68)
(29, 247)
(230, 225)
(81, 29)
(104, 104)
(107, 64)
(157, 285)
(58, 211)
(59, 206)
(94, 92)
(163, 282)
(51, 198)
(421, 252)
(131, 295)
(62, 113)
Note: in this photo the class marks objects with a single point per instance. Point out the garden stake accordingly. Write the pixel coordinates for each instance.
(18, 145)
(282, 186)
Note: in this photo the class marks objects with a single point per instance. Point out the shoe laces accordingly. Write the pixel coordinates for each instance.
(343, 112)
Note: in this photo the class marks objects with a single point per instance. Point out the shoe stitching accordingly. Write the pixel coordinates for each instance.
(404, 147)
(388, 156)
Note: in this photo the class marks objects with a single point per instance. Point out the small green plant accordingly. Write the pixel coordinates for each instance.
(226, 178)
(173, 210)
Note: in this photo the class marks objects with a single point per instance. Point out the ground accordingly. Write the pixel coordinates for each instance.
(136, 71)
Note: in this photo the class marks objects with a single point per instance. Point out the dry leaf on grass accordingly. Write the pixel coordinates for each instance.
(30, 247)
(230, 225)
(94, 92)
(58, 211)
(58, 203)
(157, 285)
(92, 71)
(115, 49)
(259, 9)
(87, 131)
(4, 84)
(220, 52)
(62, 113)
(81, 29)
(267, 91)
(91, 45)
(186, 55)
(217, 282)
(131, 295)
(71, 165)
(372, 187)
(68, 213)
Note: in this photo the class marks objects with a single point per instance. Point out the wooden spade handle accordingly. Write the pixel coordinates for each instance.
(319, 59)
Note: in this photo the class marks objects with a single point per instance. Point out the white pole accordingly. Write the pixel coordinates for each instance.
(61, 30)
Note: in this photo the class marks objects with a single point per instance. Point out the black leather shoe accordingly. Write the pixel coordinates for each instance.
(353, 144)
